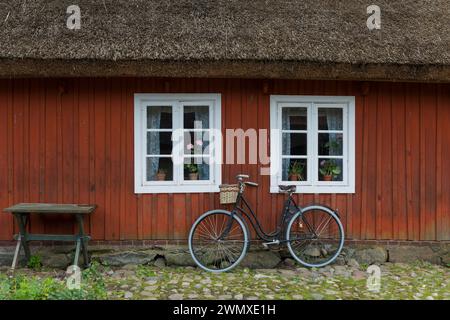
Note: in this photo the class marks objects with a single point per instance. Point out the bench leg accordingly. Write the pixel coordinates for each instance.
(16, 254)
(83, 238)
(22, 220)
(77, 253)
(85, 253)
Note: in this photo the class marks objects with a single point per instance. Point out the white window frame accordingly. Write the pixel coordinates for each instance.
(313, 185)
(177, 101)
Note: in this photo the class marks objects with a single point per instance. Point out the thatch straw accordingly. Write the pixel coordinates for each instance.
(280, 38)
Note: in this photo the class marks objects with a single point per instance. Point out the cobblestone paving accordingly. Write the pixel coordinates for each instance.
(398, 281)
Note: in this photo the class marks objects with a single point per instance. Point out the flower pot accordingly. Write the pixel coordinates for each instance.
(295, 177)
(160, 176)
(193, 176)
(328, 178)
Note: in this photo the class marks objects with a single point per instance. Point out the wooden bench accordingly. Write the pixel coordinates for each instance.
(22, 213)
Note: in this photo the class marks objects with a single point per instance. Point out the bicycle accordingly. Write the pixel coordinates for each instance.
(219, 239)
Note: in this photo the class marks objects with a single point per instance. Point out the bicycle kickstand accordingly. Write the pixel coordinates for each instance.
(267, 244)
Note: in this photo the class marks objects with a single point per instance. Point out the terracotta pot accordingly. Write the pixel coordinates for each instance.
(327, 178)
(193, 176)
(160, 176)
(295, 177)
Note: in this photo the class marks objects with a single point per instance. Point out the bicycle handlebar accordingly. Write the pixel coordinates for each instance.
(251, 184)
(241, 177)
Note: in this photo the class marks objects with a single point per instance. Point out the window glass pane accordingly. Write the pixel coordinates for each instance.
(330, 169)
(159, 169)
(196, 117)
(294, 119)
(196, 168)
(330, 119)
(196, 142)
(159, 117)
(294, 144)
(294, 170)
(159, 142)
(330, 144)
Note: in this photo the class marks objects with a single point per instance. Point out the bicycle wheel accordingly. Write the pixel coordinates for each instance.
(214, 246)
(315, 236)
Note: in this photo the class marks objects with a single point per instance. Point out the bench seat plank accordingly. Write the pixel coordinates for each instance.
(53, 237)
(51, 208)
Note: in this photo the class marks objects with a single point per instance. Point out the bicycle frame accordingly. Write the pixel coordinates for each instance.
(243, 208)
(276, 235)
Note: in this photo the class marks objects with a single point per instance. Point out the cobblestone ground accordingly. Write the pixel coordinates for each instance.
(398, 281)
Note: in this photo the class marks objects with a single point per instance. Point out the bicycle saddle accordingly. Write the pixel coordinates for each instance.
(290, 188)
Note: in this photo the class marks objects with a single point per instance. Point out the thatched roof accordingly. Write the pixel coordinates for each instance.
(221, 38)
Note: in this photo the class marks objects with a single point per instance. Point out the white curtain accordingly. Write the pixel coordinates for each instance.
(334, 122)
(153, 143)
(201, 121)
(286, 139)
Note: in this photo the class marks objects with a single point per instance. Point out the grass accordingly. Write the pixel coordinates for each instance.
(26, 287)
(35, 262)
(145, 272)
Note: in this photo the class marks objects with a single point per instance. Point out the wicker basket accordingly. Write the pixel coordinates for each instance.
(228, 193)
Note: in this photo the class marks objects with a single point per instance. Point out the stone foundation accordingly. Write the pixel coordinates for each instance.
(57, 256)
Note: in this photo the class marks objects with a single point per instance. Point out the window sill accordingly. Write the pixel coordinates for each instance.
(318, 189)
(208, 188)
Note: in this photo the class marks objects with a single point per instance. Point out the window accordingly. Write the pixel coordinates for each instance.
(177, 143)
(313, 143)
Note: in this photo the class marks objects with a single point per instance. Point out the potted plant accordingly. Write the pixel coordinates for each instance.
(329, 169)
(161, 175)
(333, 147)
(193, 171)
(295, 172)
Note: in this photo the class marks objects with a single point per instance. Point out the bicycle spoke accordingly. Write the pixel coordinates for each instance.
(208, 232)
(222, 226)
(322, 228)
(303, 244)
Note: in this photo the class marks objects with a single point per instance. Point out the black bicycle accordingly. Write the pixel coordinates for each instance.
(219, 239)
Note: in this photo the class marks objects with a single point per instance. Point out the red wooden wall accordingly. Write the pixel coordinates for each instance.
(71, 140)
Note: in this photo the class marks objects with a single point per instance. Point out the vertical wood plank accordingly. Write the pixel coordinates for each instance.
(369, 182)
(428, 162)
(6, 222)
(84, 185)
(354, 201)
(131, 214)
(439, 143)
(34, 140)
(115, 157)
(385, 166)
(413, 179)
(66, 155)
(399, 163)
(443, 218)
(99, 119)
(19, 95)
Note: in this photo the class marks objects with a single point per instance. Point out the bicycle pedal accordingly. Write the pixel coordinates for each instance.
(266, 244)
